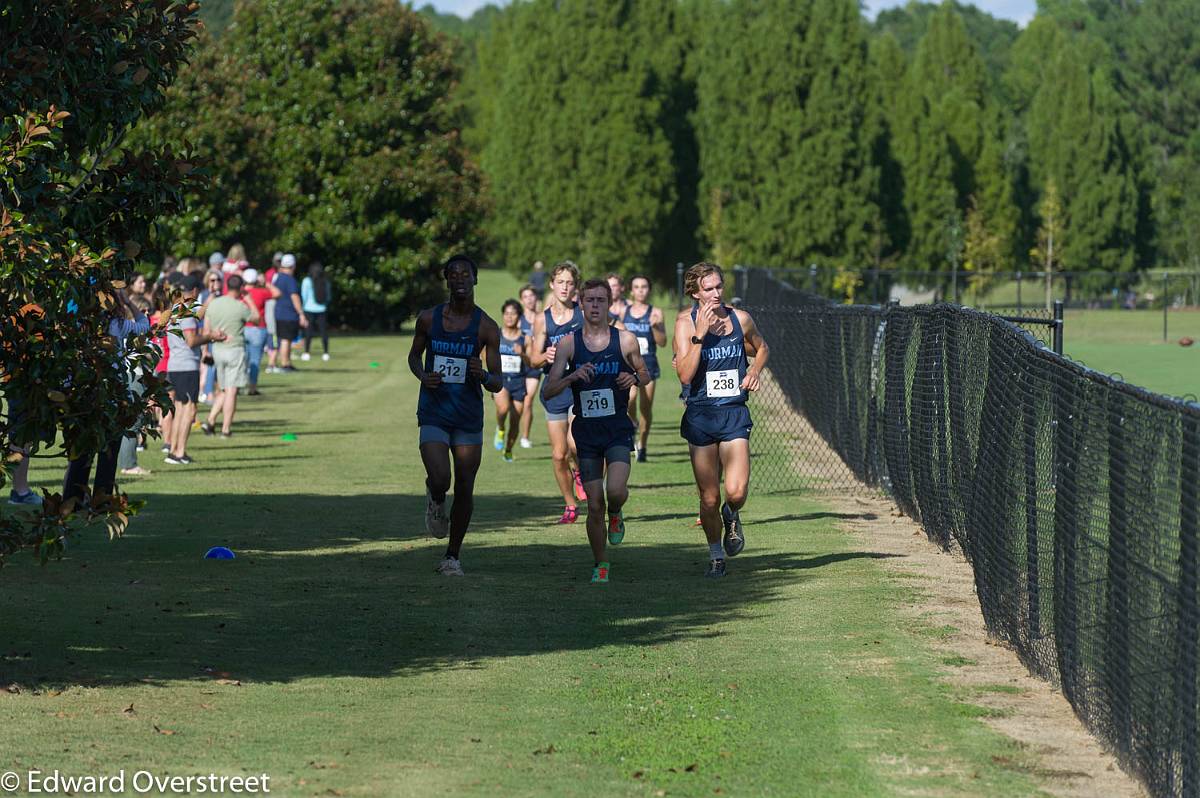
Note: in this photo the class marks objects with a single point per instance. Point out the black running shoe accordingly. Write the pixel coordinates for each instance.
(716, 569)
(641, 455)
(734, 540)
(207, 429)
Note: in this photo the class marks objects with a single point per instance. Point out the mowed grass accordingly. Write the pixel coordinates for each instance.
(1129, 343)
(330, 656)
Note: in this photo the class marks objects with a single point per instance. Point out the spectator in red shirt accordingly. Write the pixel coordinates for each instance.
(256, 332)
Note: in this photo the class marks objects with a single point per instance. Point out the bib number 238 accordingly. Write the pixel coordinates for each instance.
(597, 404)
(723, 383)
(452, 369)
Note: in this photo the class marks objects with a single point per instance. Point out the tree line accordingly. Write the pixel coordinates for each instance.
(631, 134)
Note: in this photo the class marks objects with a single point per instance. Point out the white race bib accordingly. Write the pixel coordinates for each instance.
(597, 404)
(510, 364)
(644, 346)
(722, 383)
(452, 369)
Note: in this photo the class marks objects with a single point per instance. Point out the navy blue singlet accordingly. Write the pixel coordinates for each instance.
(458, 403)
(512, 367)
(601, 408)
(718, 378)
(641, 327)
(554, 333)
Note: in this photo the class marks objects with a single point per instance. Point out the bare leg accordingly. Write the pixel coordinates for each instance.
(515, 415)
(706, 466)
(185, 414)
(646, 400)
(466, 466)
(735, 461)
(597, 531)
(531, 387)
(504, 402)
(229, 409)
(560, 452)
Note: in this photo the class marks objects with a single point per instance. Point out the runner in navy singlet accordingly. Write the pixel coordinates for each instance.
(605, 364)
(529, 314)
(445, 357)
(510, 400)
(646, 322)
(561, 318)
(712, 342)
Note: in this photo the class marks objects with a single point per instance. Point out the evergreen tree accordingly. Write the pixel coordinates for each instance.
(784, 101)
(579, 162)
(888, 66)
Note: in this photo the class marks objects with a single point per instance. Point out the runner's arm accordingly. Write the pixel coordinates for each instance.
(756, 346)
(556, 383)
(417, 352)
(633, 356)
(491, 378)
(537, 355)
(658, 327)
(687, 354)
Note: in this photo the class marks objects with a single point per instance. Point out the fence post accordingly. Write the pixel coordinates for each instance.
(739, 285)
(1020, 308)
(1164, 294)
(812, 279)
(1058, 327)
(679, 283)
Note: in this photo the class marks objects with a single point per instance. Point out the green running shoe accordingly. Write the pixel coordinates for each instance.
(498, 441)
(600, 574)
(616, 528)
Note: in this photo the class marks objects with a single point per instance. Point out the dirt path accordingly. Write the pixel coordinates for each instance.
(1070, 761)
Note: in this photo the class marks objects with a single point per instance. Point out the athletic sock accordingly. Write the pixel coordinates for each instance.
(715, 552)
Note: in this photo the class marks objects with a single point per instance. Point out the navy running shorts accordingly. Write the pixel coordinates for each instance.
(704, 426)
(515, 385)
(451, 436)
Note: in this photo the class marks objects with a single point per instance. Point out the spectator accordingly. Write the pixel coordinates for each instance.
(185, 341)
(272, 333)
(162, 311)
(20, 494)
(289, 314)
(124, 322)
(256, 331)
(169, 265)
(213, 288)
(216, 260)
(228, 315)
(138, 295)
(537, 280)
(314, 294)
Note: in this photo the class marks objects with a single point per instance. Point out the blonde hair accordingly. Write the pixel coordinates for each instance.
(236, 253)
(696, 273)
(565, 266)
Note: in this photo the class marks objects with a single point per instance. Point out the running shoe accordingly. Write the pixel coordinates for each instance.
(207, 429)
(570, 515)
(508, 458)
(526, 443)
(716, 569)
(641, 455)
(498, 440)
(450, 566)
(181, 460)
(435, 517)
(616, 528)
(166, 448)
(734, 540)
(600, 574)
(306, 357)
(580, 493)
(325, 357)
(26, 499)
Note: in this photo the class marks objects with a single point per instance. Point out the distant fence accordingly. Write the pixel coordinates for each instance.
(1075, 497)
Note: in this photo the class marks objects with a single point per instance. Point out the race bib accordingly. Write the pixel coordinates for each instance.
(511, 364)
(644, 346)
(598, 403)
(452, 369)
(723, 383)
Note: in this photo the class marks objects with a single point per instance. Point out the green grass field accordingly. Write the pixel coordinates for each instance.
(1130, 343)
(331, 657)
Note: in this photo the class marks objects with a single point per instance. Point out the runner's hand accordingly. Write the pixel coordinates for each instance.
(750, 381)
(705, 320)
(475, 369)
(550, 350)
(431, 380)
(625, 380)
(584, 373)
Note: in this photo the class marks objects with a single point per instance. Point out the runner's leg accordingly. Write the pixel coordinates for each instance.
(646, 399)
(466, 466)
(560, 452)
(735, 461)
(706, 466)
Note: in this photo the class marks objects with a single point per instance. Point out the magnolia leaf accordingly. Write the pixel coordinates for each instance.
(140, 75)
(118, 283)
(56, 396)
(120, 67)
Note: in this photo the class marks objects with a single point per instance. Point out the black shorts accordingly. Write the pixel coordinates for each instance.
(186, 385)
(287, 329)
(704, 426)
(598, 443)
(515, 385)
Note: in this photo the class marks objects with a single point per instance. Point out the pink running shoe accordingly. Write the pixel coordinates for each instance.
(579, 492)
(570, 515)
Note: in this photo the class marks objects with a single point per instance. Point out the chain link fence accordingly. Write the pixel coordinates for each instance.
(1075, 497)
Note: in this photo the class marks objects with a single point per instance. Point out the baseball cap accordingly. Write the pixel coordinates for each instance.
(216, 259)
(288, 262)
(250, 275)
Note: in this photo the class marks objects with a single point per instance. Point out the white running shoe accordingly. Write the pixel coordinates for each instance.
(325, 357)
(306, 356)
(526, 443)
(436, 522)
(450, 567)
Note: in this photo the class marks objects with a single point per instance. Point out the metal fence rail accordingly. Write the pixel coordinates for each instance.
(1075, 497)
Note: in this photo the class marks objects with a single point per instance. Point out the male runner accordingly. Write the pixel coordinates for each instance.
(561, 318)
(606, 364)
(646, 322)
(616, 287)
(510, 400)
(445, 358)
(712, 341)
